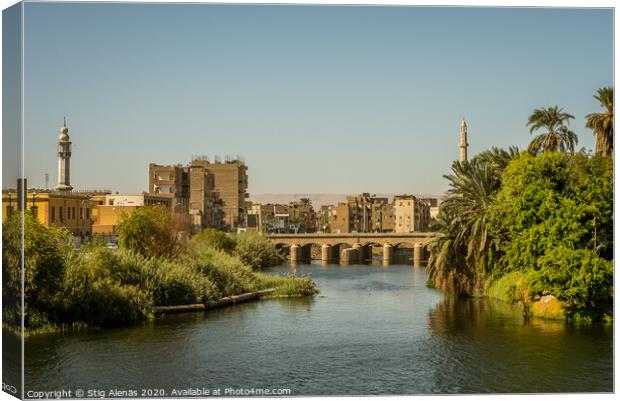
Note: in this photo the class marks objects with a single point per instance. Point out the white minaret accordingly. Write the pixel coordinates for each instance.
(64, 157)
(464, 143)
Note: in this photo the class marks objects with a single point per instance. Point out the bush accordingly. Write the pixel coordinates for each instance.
(149, 231)
(92, 293)
(288, 285)
(216, 239)
(554, 220)
(227, 272)
(257, 251)
(44, 250)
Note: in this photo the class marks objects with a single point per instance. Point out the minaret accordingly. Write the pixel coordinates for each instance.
(64, 157)
(464, 143)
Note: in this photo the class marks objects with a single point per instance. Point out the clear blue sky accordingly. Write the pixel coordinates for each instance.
(318, 99)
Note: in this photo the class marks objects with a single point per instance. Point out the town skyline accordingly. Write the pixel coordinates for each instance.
(314, 112)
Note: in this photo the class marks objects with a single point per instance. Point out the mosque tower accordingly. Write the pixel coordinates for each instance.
(64, 158)
(464, 143)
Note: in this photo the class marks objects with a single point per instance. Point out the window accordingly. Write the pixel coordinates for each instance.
(73, 213)
(60, 213)
(87, 213)
(81, 213)
(53, 213)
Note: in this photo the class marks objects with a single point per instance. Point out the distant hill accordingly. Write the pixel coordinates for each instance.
(317, 200)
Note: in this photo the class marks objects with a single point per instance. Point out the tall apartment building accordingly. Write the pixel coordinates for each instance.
(361, 213)
(230, 185)
(214, 194)
(172, 182)
(410, 214)
(302, 215)
(205, 207)
(339, 217)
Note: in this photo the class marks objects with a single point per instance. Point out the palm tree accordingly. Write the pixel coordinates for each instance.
(557, 136)
(463, 250)
(603, 123)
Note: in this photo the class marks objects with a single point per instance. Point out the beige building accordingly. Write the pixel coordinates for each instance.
(230, 185)
(260, 216)
(108, 210)
(361, 213)
(410, 214)
(53, 209)
(172, 182)
(205, 206)
(214, 194)
(434, 204)
(339, 218)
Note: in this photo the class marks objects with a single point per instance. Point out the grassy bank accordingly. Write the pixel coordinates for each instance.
(70, 289)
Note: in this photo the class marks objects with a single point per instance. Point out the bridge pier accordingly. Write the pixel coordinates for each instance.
(295, 254)
(360, 252)
(418, 255)
(388, 253)
(326, 253)
(349, 256)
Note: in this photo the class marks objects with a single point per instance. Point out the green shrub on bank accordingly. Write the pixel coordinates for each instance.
(44, 250)
(216, 239)
(227, 272)
(288, 285)
(149, 231)
(98, 286)
(257, 251)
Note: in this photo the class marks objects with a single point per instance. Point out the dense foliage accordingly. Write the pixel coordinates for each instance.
(257, 251)
(149, 231)
(520, 226)
(554, 219)
(98, 286)
(216, 239)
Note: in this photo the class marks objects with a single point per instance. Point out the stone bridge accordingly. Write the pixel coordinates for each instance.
(351, 247)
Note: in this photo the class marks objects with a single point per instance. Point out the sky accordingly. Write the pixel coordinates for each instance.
(317, 99)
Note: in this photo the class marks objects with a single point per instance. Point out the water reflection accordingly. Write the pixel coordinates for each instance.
(486, 346)
(372, 330)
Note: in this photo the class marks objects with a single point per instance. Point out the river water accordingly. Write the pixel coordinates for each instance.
(372, 330)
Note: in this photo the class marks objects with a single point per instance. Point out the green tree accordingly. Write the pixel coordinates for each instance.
(257, 251)
(149, 231)
(44, 252)
(553, 219)
(464, 250)
(557, 136)
(603, 123)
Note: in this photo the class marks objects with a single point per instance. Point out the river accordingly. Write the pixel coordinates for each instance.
(372, 330)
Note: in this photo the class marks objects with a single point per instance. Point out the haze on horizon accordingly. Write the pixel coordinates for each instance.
(317, 99)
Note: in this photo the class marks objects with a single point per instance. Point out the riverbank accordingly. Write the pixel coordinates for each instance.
(514, 288)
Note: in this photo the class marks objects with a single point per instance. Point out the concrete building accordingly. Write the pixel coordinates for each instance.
(172, 182)
(302, 216)
(230, 185)
(260, 216)
(108, 210)
(361, 213)
(205, 206)
(214, 194)
(53, 209)
(339, 218)
(434, 204)
(410, 214)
